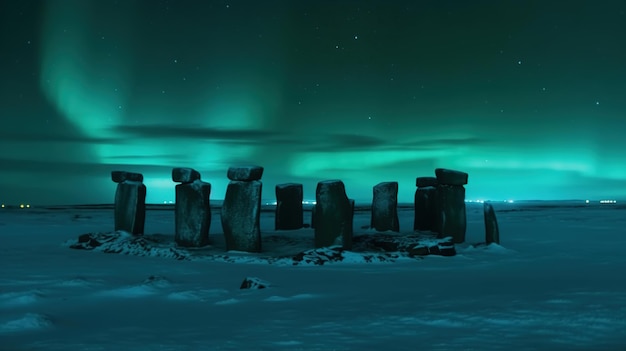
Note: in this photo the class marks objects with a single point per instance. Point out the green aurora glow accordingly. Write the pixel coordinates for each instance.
(529, 103)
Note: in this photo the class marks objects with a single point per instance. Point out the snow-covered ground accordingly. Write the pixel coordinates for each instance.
(558, 282)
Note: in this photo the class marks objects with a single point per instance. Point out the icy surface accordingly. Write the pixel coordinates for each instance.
(554, 284)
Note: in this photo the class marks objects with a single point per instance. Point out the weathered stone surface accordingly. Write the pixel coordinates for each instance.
(450, 177)
(185, 175)
(419, 250)
(451, 215)
(313, 216)
(120, 176)
(421, 182)
(289, 213)
(370, 247)
(425, 208)
(121, 242)
(245, 173)
(192, 214)
(445, 247)
(385, 207)
(254, 283)
(130, 206)
(492, 233)
(333, 215)
(241, 211)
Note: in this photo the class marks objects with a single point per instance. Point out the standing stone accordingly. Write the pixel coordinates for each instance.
(313, 216)
(451, 213)
(130, 202)
(385, 207)
(350, 219)
(192, 211)
(492, 234)
(425, 204)
(241, 210)
(289, 213)
(333, 215)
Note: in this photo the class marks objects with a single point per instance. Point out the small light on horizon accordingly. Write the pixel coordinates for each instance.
(586, 201)
(608, 201)
(27, 206)
(2, 205)
(477, 201)
(21, 205)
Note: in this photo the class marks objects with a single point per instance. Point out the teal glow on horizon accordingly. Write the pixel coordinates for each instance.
(367, 94)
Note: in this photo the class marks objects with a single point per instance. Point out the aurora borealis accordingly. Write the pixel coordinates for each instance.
(528, 97)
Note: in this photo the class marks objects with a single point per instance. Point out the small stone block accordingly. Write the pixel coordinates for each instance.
(185, 175)
(245, 173)
(450, 177)
(122, 176)
(422, 182)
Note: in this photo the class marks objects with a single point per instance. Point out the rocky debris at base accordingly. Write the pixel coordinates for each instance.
(418, 244)
(121, 242)
(379, 247)
(367, 248)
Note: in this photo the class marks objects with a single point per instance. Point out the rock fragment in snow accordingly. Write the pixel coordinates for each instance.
(333, 215)
(192, 210)
(492, 233)
(130, 202)
(289, 214)
(254, 283)
(385, 207)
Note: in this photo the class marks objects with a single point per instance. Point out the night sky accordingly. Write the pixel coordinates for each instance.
(528, 97)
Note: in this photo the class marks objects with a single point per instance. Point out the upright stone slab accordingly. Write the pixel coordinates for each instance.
(333, 215)
(385, 207)
(492, 233)
(242, 209)
(289, 212)
(350, 219)
(313, 210)
(130, 202)
(425, 204)
(451, 213)
(192, 211)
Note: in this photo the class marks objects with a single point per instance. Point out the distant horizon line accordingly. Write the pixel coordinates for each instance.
(312, 202)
